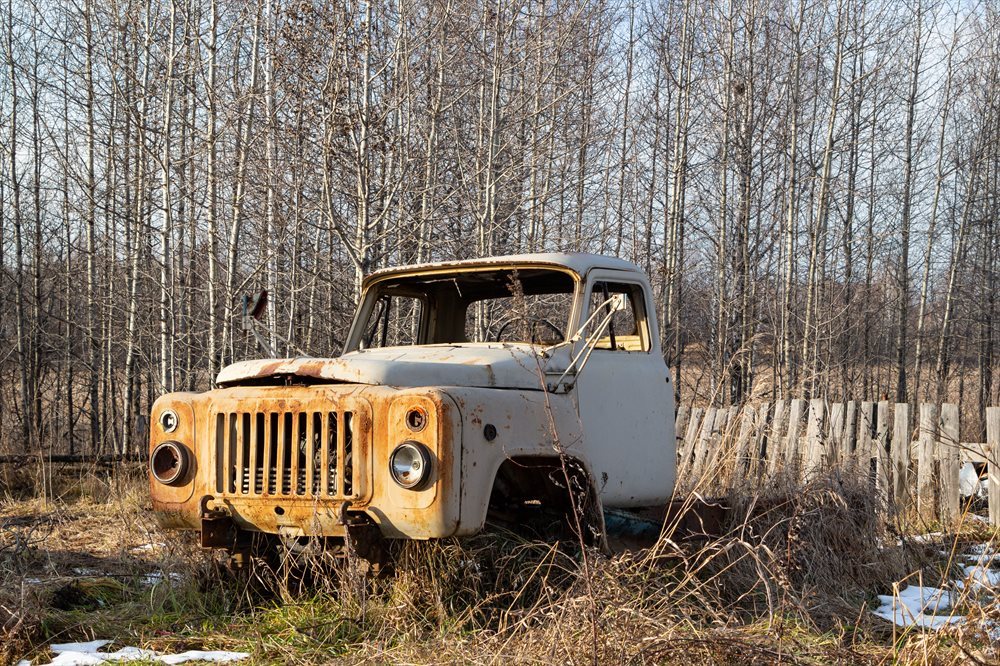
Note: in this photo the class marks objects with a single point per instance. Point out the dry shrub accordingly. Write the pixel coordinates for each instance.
(793, 563)
(21, 606)
(794, 560)
(20, 627)
(819, 548)
(18, 481)
(68, 482)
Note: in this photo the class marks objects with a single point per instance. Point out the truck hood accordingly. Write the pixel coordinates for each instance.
(483, 365)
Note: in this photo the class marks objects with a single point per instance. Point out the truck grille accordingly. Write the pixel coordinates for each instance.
(305, 453)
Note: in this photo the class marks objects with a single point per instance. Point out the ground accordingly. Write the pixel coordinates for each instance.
(794, 583)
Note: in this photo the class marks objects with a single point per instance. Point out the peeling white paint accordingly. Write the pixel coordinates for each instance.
(478, 365)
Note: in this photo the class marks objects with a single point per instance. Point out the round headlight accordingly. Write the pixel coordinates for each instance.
(168, 420)
(168, 462)
(410, 465)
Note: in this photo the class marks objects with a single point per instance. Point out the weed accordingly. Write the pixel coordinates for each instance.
(790, 578)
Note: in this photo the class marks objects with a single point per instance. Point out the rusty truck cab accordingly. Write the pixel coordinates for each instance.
(459, 393)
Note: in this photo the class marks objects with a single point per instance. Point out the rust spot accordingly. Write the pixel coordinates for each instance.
(270, 368)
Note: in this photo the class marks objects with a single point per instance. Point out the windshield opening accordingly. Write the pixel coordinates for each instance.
(528, 305)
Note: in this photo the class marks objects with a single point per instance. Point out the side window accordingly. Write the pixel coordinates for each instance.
(394, 322)
(624, 331)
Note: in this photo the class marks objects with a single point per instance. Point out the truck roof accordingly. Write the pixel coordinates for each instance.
(578, 262)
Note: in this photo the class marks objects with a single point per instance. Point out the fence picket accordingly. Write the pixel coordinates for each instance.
(925, 459)
(743, 461)
(776, 438)
(864, 446)
(993, 451)
(685, 465)
(849, 441)
(703, 445)
(680, 422)
(792, 440)
(900, 454)
(950, 462)
(815, 454)
(836, 437)
(880, 456)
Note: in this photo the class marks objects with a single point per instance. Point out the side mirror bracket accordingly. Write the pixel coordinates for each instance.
(613, 304)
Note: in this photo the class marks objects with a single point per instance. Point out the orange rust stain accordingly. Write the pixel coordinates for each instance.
(270, 368)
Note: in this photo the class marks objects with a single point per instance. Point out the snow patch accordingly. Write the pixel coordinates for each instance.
(930, 607)
(86, 654)
(917, 606)
(970, 483)
(157, 577)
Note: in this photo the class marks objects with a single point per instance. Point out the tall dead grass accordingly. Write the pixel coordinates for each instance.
(789, 579)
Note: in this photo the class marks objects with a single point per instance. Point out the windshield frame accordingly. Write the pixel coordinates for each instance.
(370, 294)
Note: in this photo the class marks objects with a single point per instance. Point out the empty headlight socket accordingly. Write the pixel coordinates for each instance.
(416, 419)
(169, 462)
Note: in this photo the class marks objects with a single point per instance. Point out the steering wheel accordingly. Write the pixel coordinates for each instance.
(534, 321)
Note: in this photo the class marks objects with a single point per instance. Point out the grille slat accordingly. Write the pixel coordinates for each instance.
(285, 453)
(294, 444)
(267, 484)
(240, 468)
(280, 468)
(307, 476)
(332, 443)
(339, 478)
(252, 467)
(227, 461)
(345, 458)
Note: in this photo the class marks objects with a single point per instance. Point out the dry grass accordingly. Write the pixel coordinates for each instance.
(789, 581)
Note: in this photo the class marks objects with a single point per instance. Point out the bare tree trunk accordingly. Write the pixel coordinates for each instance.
(68, 314)
(363, 163)
(213, 193)
(903, 271)
(15, 182)
(791, 212)
(674, 243)
(932, 225)
(239, 192)
(625, 129)
(818, 233)
(957, 257)
(272, 250)
(139, 233)
(166, 210)
(93, 356)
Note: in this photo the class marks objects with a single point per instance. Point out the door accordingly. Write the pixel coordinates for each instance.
(624, 395)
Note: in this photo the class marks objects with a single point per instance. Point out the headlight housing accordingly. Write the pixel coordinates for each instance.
(168, 420)
(410, 465)
(169, 462)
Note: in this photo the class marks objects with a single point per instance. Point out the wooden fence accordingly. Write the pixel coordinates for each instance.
(914, 459)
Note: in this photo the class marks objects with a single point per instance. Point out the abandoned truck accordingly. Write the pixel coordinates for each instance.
(504, 388)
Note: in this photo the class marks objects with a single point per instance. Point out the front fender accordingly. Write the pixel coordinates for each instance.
(525, 423)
